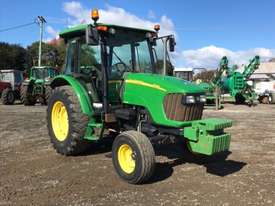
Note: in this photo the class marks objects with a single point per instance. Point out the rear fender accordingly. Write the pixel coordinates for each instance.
(80, 91)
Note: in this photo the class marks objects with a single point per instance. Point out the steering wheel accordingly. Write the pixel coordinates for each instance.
(119, 68)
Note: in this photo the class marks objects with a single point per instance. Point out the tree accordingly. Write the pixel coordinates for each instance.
(205, 76)
(52, 54)
(12, 56)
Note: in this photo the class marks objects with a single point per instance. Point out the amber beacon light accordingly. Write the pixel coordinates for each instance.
(95, 14)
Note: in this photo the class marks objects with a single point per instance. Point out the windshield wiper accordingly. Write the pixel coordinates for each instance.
(121, 60)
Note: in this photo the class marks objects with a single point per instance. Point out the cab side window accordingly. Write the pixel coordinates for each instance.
(89, 58)
(71, 59)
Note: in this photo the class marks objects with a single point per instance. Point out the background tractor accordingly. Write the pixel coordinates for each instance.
(111, 87)
(37, 85)
(10, 82)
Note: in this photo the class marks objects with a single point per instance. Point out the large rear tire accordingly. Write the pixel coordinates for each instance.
(25, 96)
(48, 93)
(7, 96)
(133, 157)
(66, 122)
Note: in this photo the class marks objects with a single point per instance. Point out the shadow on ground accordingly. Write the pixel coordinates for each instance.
(216, 164)
(177, 155)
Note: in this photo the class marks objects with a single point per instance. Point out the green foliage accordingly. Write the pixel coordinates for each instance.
(12, 56)
(205, 76)
(52, 55)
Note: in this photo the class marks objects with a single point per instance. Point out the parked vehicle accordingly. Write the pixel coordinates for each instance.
(37, 85)
(10, 82)
(266, 91)
(232, 82)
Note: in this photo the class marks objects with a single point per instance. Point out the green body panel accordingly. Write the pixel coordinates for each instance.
(207, 136)
(81, 92)
(84, 100)
(234, 84)
(149, 90)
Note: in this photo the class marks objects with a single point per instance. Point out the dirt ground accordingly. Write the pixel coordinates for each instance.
(32, 173)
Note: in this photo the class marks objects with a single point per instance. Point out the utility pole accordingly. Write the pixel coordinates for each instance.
(41, 22)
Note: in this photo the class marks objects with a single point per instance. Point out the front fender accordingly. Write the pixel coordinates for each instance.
(80, 91)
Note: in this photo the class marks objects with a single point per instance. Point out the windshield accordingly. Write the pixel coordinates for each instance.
(38, 73)
(128, 51)
(131, 57)
(52, 73)
(159, 55)
(6, 76)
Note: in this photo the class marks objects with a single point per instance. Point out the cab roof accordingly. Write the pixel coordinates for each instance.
(81, 28)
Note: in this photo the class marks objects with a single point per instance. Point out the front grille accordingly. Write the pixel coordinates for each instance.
(175, 110)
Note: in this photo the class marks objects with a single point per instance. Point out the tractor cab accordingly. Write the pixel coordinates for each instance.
(44, 73)
(108, 53)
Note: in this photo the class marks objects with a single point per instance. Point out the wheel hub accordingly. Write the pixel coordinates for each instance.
(60, 121)
(126, 158)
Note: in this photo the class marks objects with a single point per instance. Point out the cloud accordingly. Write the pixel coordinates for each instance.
(115, 15)
(151, 14)
(52, 32)
(210, 56)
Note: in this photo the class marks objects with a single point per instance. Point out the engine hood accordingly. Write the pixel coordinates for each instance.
(166, 84)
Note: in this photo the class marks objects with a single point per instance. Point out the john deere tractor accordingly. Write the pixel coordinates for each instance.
(110, 88)
(37, 86)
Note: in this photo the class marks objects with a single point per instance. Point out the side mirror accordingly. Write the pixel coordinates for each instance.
(172, 44)
(92, 37)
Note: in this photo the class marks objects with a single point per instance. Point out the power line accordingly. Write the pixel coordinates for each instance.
(17, 27)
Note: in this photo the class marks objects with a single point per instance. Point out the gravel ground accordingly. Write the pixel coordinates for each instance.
(32, 173)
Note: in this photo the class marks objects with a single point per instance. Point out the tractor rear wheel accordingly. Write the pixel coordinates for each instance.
(26, 97)
(48, 92)
(133, 157)
(66, 122)
(8, 96)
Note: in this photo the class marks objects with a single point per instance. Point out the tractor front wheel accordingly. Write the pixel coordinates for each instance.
(66, 122)
(8, 96)
(133, 157)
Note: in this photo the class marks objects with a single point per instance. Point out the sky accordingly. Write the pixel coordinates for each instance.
(205, 30)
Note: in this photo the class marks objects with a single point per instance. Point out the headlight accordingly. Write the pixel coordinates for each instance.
(188, 99)
(202, 98)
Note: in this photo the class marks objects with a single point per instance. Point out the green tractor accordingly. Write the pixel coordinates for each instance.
(37, 86)
(110, 88)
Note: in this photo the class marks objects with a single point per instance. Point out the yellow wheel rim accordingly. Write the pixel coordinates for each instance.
(125, 159)
(60, 121)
